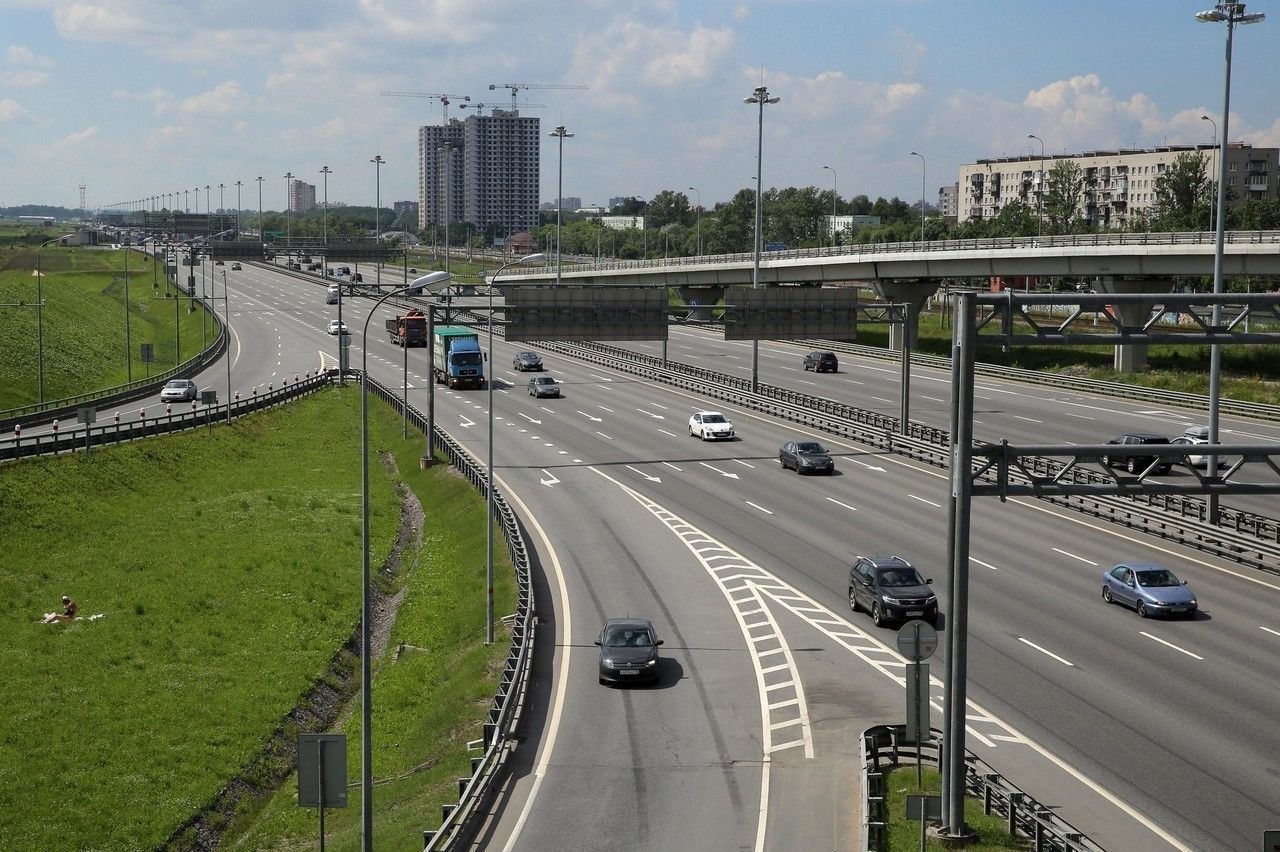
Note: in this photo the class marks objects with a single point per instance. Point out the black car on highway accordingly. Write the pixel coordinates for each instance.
(527, 361)
(628, 651)
(891, 589)
(806, 457)
(822, 362)
(1137, 464)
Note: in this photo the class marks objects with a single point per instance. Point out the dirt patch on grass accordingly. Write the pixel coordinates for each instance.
(320, 707)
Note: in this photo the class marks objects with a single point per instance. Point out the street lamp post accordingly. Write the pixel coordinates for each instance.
(208, 208)
(40, 320)
(326, 171)
(377, 210)
(488, 476)
(1230, 13)
(922, 192)
(561, 134)
(761, 97)
(1039, 188)
(238, 185)
(288, 208)
(261, 231)
(222, 206)
(1215, 145)
(835, 196)
(698, 226)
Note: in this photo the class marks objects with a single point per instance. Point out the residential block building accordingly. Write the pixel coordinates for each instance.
(302, 196)
(1117, 183)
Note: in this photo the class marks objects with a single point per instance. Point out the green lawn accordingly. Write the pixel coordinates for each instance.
(227, 565)
(83, 322)
(904, 834)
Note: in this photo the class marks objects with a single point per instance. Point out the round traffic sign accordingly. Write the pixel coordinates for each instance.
(917, 640)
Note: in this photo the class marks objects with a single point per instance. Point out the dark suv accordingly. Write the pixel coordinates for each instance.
(1137, 464)
(891, 589)
(822, 362)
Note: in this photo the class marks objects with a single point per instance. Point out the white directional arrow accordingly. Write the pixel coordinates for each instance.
(590, 417)
(867, 466)
(466, 424)
(527, 417)
(651, 414)
(550, 480)
(719, 471)
(645, 475)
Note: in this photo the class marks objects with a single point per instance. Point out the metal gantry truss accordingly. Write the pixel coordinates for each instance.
(1003, 470)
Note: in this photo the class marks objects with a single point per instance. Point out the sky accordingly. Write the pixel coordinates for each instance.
(135, 98)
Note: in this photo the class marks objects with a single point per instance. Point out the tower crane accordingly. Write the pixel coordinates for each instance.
(479, 106)
(442, 97)
(516, 87)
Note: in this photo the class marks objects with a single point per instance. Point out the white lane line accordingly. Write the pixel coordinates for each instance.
(1269, 630)
(755, 506)
(1078, 416)
(673, 467)
(603, 435)
(1171, 645)
(1028, 642)
(851, 381)
(656, 405)
(600, 377)
(665, 432)
(610, 410)
(984, 564)
(922, 500)
(548, 410)
(1077, 558)
(1028, 419)
(932, 398)
(744, 464)
(806, 382)
(838, 503)
(882, 399)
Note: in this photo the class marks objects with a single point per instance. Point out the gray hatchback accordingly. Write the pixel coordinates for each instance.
(1150, 589)
(628, 651)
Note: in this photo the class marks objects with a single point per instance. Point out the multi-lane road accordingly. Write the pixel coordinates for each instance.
(1144, 734)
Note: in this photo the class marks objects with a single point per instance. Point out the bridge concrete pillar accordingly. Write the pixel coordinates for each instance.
(1130, 359)
(911, 293)
(706, 298)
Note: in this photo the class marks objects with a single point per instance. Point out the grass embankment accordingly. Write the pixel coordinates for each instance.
(468, 272)
(227, 564)
(83, 322)
(904, 834)
(1249, 372)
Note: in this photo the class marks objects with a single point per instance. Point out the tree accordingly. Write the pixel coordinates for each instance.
(1184, 194)
(1065, 186)
(666, 207)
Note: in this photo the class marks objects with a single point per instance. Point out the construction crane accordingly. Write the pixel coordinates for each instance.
(516, 87)
(479, 106)
(443, 98)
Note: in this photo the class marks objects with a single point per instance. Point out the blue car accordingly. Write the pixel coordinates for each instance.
(1149, 589)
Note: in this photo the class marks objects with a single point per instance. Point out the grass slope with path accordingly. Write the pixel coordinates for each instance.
(227, 566)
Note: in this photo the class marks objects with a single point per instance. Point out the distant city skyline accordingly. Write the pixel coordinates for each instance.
(134, 99)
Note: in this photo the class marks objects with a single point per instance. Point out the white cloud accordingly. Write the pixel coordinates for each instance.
(20, 54)
(73, 139)
(107, 20)
(628, 55)
(221, 99)
(25, 78)
(11, 110)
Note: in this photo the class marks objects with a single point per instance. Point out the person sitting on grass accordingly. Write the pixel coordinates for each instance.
(68, 612)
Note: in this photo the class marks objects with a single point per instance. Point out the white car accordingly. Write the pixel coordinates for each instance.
(179, 390)
(336, 326)
(709, 425)
(1195, 435)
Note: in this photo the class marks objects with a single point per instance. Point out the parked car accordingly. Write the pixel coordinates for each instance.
(822, 362)
(338, 326)
(235, 266)
(357, 277)
(628, 651)
(1150, 589)
(891, 589)
(540, 386)
(527, 361)
(218, 263)
(806, 457)
(1192, 436)
(710, 424)
(179, 390)
(1137, 464)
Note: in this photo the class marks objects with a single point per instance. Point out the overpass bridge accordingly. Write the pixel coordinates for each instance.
(909, 273)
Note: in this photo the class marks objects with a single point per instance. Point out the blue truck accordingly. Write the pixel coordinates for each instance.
(458, 361)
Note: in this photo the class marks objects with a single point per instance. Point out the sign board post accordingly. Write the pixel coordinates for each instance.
(322, 773)
(86, 415)
(917, 640)
(148, 355)
(208, 398)
(924, 808)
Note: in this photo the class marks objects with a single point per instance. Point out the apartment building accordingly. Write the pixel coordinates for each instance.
(1118, 184)
(302, 196)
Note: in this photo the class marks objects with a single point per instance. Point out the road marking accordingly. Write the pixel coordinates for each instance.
(864, 464)
(642, 473)
(1078, 416)
(600, 377)
(656, 405)
(806, 382)
(932, 398)
(651, 414)
(922, 500)
(603, 435)
(548, 410)
(1171, 645)
(719, 471)
(665, 432)
(1269, 630)
(851, 381)
(466, 424)
(1065, 662)
(1077, 558)
(603, 408)
(755, 506)
(882, 399)
(673, 467)
(984, 564)
(530, 419)
(744, 464)
(1028, 419)
(550, 480)
(838, 503)
(591, 417)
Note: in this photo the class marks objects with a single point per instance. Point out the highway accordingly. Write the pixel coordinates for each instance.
(1143, 734)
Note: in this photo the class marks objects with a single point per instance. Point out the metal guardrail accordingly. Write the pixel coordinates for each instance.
(39, 413)
(885, 747)
(934, 246)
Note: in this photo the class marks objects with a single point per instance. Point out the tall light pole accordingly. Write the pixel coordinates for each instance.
(326, 171)
(922, 192)
(1039, 188)
(835, 196)
(238, 185)
(222, 206)
(40, 318)
(761, 97)
(288, 208)
(488, 476)
(262, 231)
(1215, 145)
(698, 226)
(378, 210)
(208, 209)
(1230, 13)
(561, 134)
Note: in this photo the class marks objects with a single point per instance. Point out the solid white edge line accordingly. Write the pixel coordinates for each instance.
(1073, 556)
(563, 624)
(1269, 630)
(1065, 662)
(984, 564)
(1170, 644)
